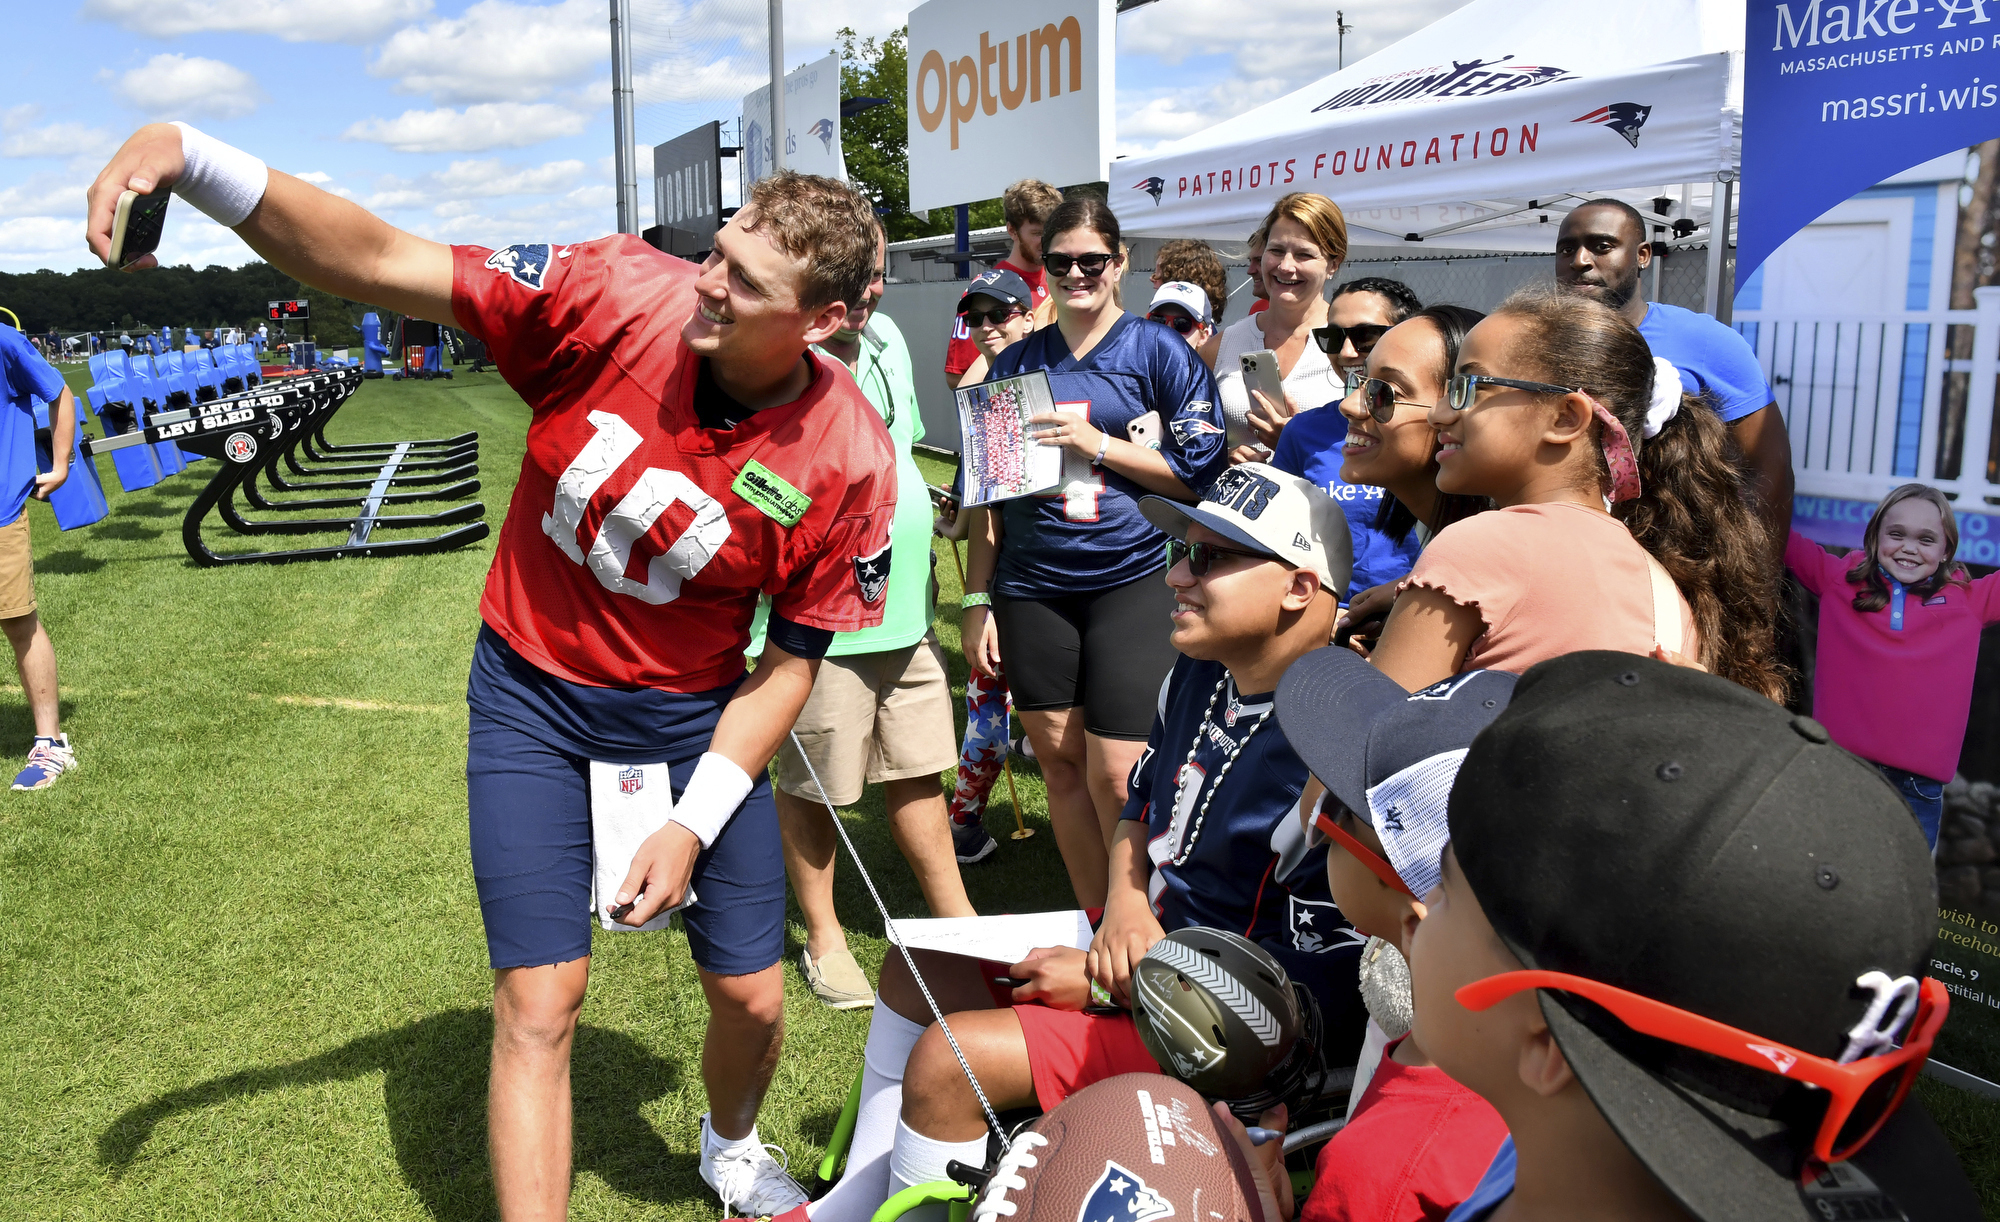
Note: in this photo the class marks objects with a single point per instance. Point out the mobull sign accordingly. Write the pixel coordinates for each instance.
(1003, 92)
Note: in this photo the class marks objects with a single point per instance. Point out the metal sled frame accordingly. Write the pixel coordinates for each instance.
(250, 433)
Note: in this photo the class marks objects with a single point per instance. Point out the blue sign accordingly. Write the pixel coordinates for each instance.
(1839, 96)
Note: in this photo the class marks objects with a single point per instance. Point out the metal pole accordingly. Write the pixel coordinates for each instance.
(778, 133)
(1725, 289)
(962, 239)
(1718, 235)
(622, 124)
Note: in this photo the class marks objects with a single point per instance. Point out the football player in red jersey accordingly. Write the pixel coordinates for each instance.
(686, 452)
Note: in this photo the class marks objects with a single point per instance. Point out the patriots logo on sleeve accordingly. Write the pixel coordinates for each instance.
(1186, 428)
(1121, 1196)
(871, 573)
(527, 264)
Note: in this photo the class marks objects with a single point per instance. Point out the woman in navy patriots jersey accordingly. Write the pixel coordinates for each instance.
(1073, 581)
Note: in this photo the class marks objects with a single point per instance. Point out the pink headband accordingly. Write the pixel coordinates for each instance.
(1618, 456)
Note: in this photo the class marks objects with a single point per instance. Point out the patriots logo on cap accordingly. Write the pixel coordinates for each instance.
(1625, 118)
(1444, 688)
(824, 130)
(871, 573)
(1152, 186)
(1120, 1195)
(527, 264)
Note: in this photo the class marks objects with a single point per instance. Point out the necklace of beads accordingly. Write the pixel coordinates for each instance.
(1201, 728)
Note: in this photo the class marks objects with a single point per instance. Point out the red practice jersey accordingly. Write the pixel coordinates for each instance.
(637, 541)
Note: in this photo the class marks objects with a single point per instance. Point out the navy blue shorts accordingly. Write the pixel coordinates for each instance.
(528, 791)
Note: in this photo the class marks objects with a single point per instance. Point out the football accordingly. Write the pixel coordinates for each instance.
(1134, 1148)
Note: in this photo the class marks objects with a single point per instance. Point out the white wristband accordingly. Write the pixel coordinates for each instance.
(712, 795)
(221, 181)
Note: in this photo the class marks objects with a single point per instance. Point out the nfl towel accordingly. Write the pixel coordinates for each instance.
(628, 802)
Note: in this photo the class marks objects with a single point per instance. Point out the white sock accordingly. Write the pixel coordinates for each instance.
(921, 1160)
(864, 1185)
(715, 1145)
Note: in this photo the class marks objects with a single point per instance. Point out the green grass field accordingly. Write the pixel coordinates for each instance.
(242, 961)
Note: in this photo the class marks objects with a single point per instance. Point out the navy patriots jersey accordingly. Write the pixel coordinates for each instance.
(1249, 870)
(1090, 535)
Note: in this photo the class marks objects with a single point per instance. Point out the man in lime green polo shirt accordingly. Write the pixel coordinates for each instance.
(880, 710)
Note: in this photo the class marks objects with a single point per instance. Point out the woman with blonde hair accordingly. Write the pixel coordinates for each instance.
(1305, 241)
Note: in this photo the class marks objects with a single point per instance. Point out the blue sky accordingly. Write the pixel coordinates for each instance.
(491, 121)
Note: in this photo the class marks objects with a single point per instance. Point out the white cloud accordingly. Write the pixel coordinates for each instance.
(355, 21)
(489, 125)
(1289, 41)
(449, 192)
(43, 195)
(24, 237)
(677, 80)
(498, 51)
(318, 178)
(188, 84)
(58, 140)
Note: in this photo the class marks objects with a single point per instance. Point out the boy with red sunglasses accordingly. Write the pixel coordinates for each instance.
(1416, 1142)
(1678, 943)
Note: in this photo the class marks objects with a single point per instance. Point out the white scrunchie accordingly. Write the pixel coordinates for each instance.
(1666, 397)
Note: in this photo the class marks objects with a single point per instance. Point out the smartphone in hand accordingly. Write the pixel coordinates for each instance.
(137, 226)
(1260, 372)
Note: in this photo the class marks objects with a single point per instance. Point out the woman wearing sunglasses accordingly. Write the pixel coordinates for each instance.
(1379, 440)
(1306, 240)
(1621, 523)
(1361, 312)
(1072, 581)
(998, 311)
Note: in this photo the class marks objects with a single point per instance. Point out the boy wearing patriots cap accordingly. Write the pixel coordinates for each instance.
(1416, 1142)
(1678, 942)
(1209, 836)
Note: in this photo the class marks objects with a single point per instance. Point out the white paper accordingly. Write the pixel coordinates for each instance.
(628, 802)
(1002, 939)
(1000, 455)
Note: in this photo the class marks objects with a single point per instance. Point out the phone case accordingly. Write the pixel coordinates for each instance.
(1144, 430)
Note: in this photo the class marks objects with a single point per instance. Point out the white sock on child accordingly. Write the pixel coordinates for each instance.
(864, 1185)
(920, 1160)
(715, 1145)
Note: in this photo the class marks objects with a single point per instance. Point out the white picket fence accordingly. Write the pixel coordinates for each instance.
(1856, 388)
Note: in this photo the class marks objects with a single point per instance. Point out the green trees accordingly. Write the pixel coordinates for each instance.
(101, 299)
(876, 141)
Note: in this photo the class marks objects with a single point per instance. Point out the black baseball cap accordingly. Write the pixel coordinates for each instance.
(1362, 733)
(1667, 832)
(1001, 285)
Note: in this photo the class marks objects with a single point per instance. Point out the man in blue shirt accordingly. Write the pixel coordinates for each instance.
(28, 377)
(1600, 251)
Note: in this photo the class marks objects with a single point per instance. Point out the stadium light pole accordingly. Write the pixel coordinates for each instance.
(621, 116)
(777, 85)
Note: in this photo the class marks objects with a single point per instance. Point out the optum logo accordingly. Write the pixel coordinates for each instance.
(999, 77)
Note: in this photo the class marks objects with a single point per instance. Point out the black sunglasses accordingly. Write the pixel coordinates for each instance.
(1175, 319)
(1464, 388)
(1201, 557)
(1332, 337)
(1380, 398)
(990, 318)
(1092, 264)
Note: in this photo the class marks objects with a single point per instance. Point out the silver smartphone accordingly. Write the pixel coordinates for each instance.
(137, 225)
(1260, 372)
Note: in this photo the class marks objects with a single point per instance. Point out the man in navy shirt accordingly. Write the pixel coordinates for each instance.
(1600, 251)
(27, 377)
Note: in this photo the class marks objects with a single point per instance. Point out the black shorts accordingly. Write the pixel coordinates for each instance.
(1106, 651)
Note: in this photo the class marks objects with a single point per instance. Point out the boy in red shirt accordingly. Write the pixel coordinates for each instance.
(1416, 1142)
(1026, 205)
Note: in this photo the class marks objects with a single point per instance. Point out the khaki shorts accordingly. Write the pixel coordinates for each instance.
(17, 569)
(872, 717)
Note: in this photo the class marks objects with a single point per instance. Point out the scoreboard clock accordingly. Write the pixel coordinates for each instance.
(284, 311)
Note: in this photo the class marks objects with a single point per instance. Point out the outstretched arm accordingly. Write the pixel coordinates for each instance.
(320, 239)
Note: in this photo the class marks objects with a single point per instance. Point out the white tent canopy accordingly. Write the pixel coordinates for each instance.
(1474, 131)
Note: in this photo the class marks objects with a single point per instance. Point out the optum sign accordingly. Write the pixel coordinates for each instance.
(999, 93)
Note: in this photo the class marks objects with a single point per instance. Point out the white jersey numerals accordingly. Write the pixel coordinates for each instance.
(1082, 480)
(610, 551)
